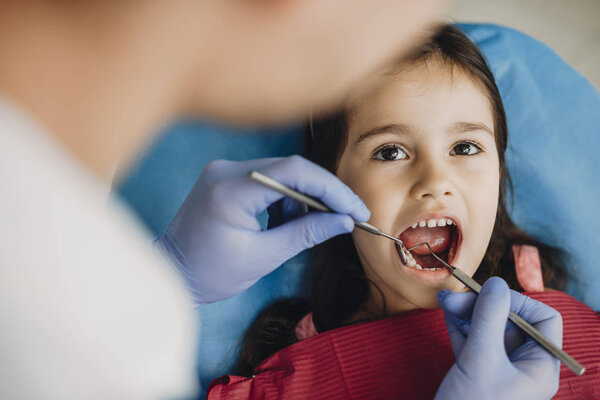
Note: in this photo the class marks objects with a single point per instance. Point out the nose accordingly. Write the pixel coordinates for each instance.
(432, 181)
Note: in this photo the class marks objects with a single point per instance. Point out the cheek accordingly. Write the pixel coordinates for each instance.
(491, 193)
(380, 193)
(381, 196)
(485, 188)
(371, 248)
(487, 208)
(376, 256)
(481, 180)
(483, 207)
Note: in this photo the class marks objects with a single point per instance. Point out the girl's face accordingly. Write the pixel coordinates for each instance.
(421, 150)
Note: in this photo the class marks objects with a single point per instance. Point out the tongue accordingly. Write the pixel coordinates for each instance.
(438, 238)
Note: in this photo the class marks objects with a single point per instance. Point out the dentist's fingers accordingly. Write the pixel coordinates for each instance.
(285, 210)
(543, 317)
(547, 321)
(224, 170)
(484, 348)
(459, 305)
(303, 233)
(458, 311)
(310, 179)
(458, 308)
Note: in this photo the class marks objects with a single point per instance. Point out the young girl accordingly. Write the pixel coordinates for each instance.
(424, 149)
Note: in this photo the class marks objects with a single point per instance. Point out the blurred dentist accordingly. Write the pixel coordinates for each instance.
(86, 309)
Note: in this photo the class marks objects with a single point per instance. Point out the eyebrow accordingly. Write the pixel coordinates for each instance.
(391, 128)
(459, 127)
(463, 127)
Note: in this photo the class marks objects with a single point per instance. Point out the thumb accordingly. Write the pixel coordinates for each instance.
(485, 343)
(305, 232)
(458, 309)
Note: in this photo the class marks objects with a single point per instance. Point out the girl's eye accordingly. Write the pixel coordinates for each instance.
(390, 153)
(465, 149)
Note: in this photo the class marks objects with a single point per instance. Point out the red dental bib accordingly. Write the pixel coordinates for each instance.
(401, 357)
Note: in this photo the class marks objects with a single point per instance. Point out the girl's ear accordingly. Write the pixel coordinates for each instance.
(528, 267)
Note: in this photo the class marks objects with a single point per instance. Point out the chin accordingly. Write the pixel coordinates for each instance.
(430, 304)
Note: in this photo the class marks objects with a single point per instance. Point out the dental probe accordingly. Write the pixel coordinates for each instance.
(289, 192)
(536, 335)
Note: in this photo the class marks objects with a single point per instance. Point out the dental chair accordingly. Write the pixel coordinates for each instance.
(554, 138)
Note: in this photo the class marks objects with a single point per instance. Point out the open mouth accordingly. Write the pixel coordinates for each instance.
(444, 237)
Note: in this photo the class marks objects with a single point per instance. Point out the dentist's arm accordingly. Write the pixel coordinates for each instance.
(216, 242)
(495, 360)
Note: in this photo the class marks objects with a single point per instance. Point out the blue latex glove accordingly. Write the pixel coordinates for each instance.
(494, 359)
(216, 241)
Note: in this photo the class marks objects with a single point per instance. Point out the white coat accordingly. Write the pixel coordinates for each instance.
(87, 309)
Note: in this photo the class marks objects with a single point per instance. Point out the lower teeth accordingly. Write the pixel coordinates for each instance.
(413, 264)
(417, 266)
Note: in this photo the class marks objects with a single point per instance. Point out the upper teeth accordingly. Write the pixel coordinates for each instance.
(432, 223)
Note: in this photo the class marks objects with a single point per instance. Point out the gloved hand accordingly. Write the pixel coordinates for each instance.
(216, 241)
(495, 360)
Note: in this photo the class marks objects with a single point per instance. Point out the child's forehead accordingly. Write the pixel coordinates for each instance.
(422, 94)
(414, 80)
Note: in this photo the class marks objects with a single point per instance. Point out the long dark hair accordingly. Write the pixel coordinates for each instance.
(340, 285)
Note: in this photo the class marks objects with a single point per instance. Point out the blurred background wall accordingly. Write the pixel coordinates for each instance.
(570, 27)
